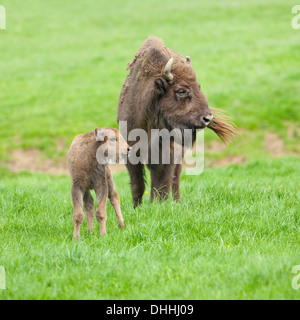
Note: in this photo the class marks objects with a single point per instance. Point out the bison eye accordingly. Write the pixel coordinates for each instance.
(182, 92)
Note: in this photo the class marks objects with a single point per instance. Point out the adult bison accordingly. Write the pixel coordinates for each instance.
(162, 91)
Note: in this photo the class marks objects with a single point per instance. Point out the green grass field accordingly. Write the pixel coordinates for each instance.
(235, 236)
(236, 233)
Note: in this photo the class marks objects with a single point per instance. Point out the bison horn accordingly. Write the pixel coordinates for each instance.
(167, 71)
(188, 59)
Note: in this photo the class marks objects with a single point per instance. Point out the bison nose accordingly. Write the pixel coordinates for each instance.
(207, 120)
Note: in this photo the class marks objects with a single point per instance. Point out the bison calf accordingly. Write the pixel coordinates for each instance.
(89, 172)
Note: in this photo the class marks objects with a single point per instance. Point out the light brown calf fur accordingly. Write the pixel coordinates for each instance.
(88, 174)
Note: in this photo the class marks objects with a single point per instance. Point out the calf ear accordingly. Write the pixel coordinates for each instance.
(160, 86)
(100, 134)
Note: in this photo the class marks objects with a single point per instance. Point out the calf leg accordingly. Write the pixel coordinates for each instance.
(161, 181)
(114, 198)
(136, 173)
(176, 182)
(101, 215)
(88, 203)
(77, 196)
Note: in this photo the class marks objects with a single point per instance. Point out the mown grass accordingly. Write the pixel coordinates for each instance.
(234, 236)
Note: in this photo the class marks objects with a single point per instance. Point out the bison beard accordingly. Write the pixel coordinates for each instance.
(162, 91)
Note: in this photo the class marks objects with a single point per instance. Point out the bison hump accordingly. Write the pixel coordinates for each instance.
(151, 58)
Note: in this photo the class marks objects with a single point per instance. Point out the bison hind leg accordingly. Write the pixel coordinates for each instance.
(161, 181)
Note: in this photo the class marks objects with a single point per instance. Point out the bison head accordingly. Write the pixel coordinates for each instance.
(181, 103)
(180, 100)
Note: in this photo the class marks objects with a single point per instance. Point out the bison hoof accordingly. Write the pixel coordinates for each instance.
(121, 225)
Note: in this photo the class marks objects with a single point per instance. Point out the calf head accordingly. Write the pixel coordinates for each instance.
(113, 145)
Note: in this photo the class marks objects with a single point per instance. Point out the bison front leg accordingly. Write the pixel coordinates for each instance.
(176, 182)
(161, 181)
(114, 198)
(136, 173)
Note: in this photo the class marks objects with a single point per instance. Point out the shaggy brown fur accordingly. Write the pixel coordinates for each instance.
(87, 174)
(162, 91)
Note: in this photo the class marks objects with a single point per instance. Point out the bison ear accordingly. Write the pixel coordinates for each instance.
(100, 134)
(160, 85)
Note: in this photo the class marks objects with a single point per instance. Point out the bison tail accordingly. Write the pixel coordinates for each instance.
(223, 126)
